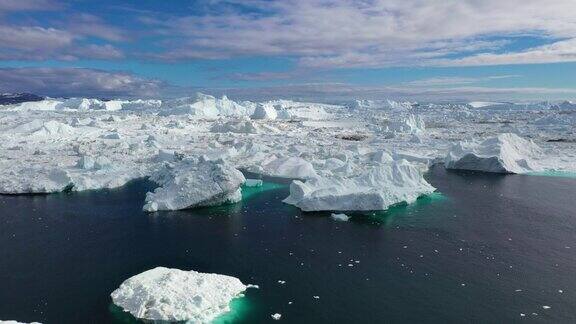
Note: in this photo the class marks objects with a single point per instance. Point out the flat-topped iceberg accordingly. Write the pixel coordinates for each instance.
(505, 153)
(16, 322)
(163, 294)
(378, 188)
(190, 183)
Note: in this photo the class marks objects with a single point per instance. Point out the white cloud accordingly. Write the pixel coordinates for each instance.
(22, 5)
(348, 33)
(335, 92)
(451, 81)
(39, 43)
(76, 82)
(561, 51)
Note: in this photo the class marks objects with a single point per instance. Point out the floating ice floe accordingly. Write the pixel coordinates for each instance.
(16, 322)
(377, 188)
(191, 183)
(505, 153)
(253, 183)
(340, 217)
(163, 294)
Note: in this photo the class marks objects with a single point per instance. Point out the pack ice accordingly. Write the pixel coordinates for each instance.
(361, 154)
(163, 294)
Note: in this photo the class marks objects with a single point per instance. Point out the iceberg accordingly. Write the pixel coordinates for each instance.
(411, 124)
(191, 183)
(505, 153)
(163, 294)
(376, 189)
(289, 167)
(203, 106)
(264, 112)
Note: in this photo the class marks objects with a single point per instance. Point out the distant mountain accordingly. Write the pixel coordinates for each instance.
(14, 98)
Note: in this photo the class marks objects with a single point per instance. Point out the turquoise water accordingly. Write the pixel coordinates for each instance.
(484, 249)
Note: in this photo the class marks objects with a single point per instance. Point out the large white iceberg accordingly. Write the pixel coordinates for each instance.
(376, 189)
(163, 294)
(505, 153)
(190, 184)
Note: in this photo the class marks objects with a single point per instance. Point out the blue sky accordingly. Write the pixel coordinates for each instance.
(432, 49)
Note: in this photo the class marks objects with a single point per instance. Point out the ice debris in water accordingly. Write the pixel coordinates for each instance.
(16, 322)
(194, 183)
(253, 183)
(163, 294)
(505, 153)
(276, 316)
(340, 217)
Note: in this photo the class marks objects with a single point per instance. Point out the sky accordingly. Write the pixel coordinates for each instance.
(323, 49)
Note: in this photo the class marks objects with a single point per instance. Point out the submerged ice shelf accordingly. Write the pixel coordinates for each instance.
(355, 156)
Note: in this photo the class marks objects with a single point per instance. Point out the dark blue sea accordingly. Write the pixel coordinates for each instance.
(484, 249)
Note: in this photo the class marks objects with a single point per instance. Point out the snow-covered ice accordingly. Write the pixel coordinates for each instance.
(505, 153)
(163, 294)
(343, 155)
(377, 188)
(190, 183)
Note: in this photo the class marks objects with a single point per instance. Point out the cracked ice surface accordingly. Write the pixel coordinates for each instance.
(84, 144)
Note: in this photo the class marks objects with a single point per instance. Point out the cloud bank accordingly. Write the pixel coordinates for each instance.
(70, 82)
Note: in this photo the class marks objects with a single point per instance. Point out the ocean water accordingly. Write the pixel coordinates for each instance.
(484, 249)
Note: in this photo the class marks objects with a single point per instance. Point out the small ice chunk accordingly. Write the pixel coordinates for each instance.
(253, 183)
(276, 316)
(340, 217)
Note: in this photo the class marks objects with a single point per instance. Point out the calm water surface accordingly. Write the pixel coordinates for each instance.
(487, 249)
